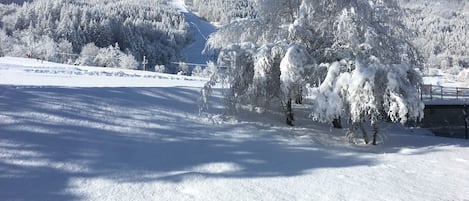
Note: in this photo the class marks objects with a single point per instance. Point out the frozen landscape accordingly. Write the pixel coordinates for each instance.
(139, 136)
(77, 132)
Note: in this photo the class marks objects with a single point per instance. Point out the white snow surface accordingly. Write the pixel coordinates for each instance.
(180, 5)
(20, 71)
(139, 136)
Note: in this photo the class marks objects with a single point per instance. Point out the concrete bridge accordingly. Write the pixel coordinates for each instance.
(446, 110)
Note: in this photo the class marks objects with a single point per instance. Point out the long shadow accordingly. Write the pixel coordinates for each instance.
(50, 136)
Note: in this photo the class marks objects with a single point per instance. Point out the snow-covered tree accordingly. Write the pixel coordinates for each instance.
(112, 57)
(292, 77)
(5, 43)
(88, 55)
(108, 57)
(239, 60)
(127, 61)
(360, 44)
(160, 69)
(374, 48)
(265, 86)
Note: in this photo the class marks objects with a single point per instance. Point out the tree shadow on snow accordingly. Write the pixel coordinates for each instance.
(50, 136)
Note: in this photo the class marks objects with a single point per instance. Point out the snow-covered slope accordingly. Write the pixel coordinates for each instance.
(63, 141)
(32, 72)
(200, 29)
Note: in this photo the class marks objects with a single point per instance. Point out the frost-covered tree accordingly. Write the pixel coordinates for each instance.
(88, 55)
(128, 61)
(374, 47)
(368, 93)
(239, 60)
(265, 86)
(293, 68)
(108, 57)
(160, 69)
(366, 70)
(111, 57)
(5, 43)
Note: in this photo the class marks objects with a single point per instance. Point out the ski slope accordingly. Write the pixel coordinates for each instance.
(32, 72)
(200, 29)
(138, 136)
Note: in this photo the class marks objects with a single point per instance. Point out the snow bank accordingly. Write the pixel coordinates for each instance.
(32, 72)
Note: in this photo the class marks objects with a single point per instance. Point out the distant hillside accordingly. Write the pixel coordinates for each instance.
(117, 33)
(440, 31)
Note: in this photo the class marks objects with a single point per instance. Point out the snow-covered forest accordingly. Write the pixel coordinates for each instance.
(439, 28)
(97, 33)
(441, 31)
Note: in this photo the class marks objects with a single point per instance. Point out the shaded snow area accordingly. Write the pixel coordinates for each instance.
(118, 142)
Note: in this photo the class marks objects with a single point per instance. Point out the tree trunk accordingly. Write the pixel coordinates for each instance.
(299, 96)
(375, 132)
(365, 135)
(337, 123)
(289, 113)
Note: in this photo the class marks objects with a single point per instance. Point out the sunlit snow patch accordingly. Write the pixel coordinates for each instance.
(218, 168)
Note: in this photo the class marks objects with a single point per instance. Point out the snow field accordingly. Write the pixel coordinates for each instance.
(20, 71)
(148, 143)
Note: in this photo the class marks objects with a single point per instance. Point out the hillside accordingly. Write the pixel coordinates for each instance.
(440, 32)
(98, 33)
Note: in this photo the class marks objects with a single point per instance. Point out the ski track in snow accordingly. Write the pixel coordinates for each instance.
(200, 29)
(135, 139)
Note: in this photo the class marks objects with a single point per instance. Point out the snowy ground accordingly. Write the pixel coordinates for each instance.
(139, 137)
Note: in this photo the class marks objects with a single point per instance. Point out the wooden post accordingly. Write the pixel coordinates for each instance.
(422, 87)
(431, 92)
(466, 119)
(289, 113)
(441, 89)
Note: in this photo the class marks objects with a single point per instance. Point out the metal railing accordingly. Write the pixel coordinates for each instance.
(434, 92)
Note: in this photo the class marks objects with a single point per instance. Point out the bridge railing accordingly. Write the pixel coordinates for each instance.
(434, 92)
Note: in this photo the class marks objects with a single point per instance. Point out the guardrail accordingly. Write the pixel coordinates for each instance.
(434, 92)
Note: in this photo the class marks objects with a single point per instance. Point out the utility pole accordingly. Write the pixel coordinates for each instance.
(144, 63)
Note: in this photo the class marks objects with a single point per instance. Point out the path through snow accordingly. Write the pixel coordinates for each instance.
(200, 29)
